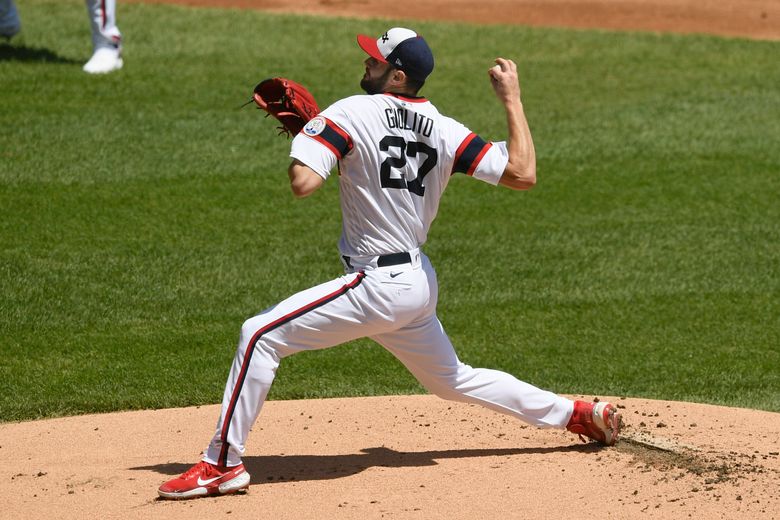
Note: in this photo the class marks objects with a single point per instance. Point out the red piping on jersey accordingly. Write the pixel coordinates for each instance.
(325, 143)
(223, 453)
(461, 148)
(477, 159)
(338, 130)
(406, 98)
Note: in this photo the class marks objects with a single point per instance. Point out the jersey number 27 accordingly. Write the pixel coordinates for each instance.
(405, 149)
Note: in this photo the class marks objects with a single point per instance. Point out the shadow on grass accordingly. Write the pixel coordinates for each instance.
(31, 54)
(285, 468)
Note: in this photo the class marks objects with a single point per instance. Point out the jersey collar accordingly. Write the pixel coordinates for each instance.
(410, 99)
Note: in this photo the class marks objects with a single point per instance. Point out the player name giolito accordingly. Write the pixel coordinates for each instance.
(405, 120)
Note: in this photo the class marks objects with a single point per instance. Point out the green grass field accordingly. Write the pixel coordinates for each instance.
(144, 216)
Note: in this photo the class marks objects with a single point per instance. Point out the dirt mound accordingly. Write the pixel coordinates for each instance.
(400, 457)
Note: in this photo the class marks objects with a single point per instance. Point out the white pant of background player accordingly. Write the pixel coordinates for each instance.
(106, 38)
(394, 305)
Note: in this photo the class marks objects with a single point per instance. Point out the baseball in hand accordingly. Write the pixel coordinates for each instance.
(494, 71)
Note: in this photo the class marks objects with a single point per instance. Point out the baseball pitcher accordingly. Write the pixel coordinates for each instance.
(395, 154)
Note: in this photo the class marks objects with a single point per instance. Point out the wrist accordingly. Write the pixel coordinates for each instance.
(513, 106)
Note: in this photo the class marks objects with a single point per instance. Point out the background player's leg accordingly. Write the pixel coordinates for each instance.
(106, 38)
(10, 24)
(102, 20)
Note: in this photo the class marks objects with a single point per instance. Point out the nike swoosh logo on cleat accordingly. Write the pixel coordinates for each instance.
(393, 275)
(208, 481)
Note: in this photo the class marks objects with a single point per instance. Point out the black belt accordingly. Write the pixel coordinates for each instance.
(387, 260)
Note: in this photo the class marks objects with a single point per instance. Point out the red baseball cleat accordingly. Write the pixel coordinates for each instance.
(598, 421)
(205, 479)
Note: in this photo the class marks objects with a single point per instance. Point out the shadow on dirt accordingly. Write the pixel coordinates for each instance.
(286, 468)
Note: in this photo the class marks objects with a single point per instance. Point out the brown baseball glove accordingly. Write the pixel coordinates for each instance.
(289, 102)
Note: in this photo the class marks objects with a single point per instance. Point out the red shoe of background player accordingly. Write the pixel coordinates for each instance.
(205, 479)
(597, 421)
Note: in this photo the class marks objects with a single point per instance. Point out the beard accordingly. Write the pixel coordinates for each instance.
(376, 85)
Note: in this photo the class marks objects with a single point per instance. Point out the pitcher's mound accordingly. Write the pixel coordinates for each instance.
(400, 457)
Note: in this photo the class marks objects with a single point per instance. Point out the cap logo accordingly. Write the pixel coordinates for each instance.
(398, 62)
(385, 38)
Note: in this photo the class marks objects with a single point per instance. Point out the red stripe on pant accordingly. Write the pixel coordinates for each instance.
(223, 453)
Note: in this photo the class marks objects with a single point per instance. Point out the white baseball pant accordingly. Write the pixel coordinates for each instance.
(102, 20)
(396, 307)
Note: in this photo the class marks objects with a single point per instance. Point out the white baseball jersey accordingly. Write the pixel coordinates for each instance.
(395, 155)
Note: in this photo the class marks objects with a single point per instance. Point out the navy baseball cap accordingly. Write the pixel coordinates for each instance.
(403, 49)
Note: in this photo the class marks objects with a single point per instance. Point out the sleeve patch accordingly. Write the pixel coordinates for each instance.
(329, 134)
(469, 154)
